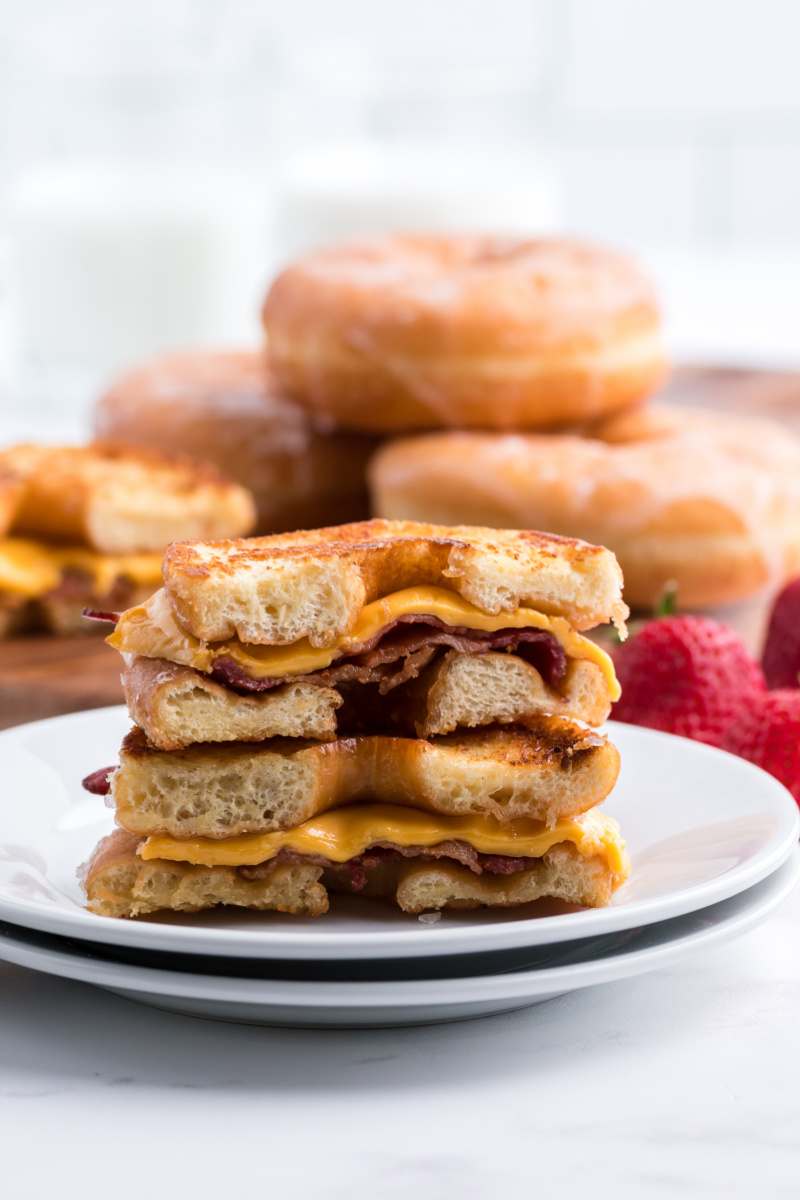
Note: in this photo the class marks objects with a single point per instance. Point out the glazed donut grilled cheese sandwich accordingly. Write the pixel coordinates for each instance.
(377, 605)
(88, 525)
(397, 709)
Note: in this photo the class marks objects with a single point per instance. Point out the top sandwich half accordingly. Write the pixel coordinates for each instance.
(316, 583)
(375, 602)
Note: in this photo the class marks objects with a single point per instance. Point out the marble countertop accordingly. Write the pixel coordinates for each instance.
(683, 1082)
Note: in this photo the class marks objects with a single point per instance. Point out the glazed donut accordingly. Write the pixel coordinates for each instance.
(396, 334)
(707, 500)
(222, 406)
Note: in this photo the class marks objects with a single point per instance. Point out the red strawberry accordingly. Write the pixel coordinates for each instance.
(781, 657)
(767, 732)
(687, 675)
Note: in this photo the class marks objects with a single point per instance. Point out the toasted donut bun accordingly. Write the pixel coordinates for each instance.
(468, 690)
(176, 707)
(222, 406)
(709, 501)
(547, 769)
(562, 874)
(401, 333)
(319, 580)
(117, 500)
(120, 884)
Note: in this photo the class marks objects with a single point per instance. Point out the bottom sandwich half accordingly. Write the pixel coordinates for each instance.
(418, 861)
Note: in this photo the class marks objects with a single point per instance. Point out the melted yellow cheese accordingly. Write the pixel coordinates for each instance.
(347, 832)
(32, 569)
(154, 631)
(26, 568)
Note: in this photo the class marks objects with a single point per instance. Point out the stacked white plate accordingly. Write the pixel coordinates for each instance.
(713, 841)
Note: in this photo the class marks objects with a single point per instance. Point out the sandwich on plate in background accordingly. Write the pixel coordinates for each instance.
(87, 526)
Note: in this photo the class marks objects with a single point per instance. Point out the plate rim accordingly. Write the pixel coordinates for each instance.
(343, 945)
(309, 996)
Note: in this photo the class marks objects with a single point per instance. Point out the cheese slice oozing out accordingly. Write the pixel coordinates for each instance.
(32, 569)
(153, 631)
(344, 833)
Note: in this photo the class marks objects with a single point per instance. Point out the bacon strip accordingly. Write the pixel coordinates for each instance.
(381, 852)
(99, 782)
(95, 614)
(413, 647)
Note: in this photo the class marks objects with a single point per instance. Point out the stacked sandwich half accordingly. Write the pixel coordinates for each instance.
(388, 708)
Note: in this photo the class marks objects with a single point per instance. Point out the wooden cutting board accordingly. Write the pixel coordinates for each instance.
(772, 394)
(45, 676)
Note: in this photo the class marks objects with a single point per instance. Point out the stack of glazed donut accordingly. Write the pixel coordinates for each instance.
(493, 382)
(521, 368)
(224, 407)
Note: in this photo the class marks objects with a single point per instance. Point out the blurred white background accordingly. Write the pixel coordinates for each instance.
(669, 127)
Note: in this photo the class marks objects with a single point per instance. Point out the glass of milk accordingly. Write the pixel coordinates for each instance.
(375, 144)
(331, 192)
(111, 264)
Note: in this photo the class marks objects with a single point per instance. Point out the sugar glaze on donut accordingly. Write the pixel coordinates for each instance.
(708, 500)
(223, 406)
(396, 334)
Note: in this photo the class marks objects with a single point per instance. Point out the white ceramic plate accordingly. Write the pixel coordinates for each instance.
(417, 1002)
(701, 826)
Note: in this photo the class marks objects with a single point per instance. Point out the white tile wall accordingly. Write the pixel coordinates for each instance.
(672, 120)
(632, 192)
(712, 87)
(765, 192)
(690, 59)
(466, 31)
